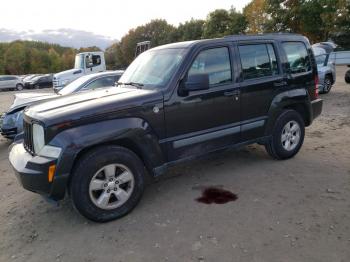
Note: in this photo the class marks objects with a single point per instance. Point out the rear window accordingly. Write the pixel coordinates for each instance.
(297, 56)
(258, 60)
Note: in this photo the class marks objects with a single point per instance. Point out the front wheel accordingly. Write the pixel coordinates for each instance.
(287, 136)
(107, 183)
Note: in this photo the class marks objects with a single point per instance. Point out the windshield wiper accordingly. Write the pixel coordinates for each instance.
(138, 85)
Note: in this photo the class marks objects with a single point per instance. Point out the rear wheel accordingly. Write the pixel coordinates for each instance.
(287, 136)
(19, 87)
(107, 183)
(347, 77)
(327, 85)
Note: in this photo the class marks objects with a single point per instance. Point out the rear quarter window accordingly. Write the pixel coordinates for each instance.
(297, 57)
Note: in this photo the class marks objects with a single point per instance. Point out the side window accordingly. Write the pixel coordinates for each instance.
(258, 60)
(214, 62)
(101, 82)
(96, 60)
(298, 58)
(92, 60)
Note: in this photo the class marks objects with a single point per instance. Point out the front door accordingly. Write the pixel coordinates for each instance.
(202, 121)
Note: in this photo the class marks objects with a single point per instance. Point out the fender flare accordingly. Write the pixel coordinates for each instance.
(297, 99)
(133, 133)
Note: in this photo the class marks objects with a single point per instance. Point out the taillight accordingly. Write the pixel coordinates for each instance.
(316, 86)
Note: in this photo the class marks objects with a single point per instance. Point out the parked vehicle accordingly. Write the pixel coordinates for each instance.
(11, 82)
(347, 76)
(325, 67)
(175, 102)
(40, 81)
(85, 63)
(11, 123)
(142, 47)
(29, 77)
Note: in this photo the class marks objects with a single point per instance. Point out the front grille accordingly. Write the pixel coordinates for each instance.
(28, 137)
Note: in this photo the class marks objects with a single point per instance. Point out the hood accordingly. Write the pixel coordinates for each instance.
(70, 72)
(25, 99)
(95, 104)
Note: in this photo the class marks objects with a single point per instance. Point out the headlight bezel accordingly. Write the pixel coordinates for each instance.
(39, 143)
(10, 119)
(38, 134)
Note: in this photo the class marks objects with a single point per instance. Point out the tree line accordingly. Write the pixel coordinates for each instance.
(25, 57)
(319, 20)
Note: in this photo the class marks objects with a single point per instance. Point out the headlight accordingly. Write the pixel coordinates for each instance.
(39, 144)
(10, 120)
(65, 82)
(38, 138)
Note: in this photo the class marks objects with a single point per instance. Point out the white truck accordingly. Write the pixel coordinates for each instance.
(85, 63)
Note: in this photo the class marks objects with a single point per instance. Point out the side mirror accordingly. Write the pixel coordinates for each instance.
(197, 82)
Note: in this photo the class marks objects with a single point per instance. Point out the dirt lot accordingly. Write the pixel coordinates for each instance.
(295, 210)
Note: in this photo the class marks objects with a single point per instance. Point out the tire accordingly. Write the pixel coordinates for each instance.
(347, 77)
(19, 87)
(36, 87)
(276, 148)
(93, 167)
(327, 85)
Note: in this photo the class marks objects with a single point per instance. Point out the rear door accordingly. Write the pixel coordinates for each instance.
(7, 82)
(260, 79)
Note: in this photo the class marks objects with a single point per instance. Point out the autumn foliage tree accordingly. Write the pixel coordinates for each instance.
(319, 20)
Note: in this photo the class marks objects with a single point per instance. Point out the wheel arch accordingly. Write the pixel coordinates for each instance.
(296, 99)
(131, 133)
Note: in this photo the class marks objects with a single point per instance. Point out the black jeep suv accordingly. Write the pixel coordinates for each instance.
(173, 103)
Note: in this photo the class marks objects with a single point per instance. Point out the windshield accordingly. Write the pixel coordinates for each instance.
(35, 78)
(153, 68)
(79, 62)
(73, 86)
(320, 59)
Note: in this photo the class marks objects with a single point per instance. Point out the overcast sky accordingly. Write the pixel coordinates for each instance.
(106, 17)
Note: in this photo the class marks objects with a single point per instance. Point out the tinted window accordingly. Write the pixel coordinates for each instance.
(101, 82)
(214, 62)
(258, 60)
(298, 58)
(8, 78)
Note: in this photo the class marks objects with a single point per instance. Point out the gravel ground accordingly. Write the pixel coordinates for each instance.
(295, 210)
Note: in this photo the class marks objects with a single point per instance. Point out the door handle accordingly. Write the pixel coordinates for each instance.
(232, 93)
(279, 83)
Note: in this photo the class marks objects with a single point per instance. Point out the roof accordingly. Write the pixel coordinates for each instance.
(270, 36)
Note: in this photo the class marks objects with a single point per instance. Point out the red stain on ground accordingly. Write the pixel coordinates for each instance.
(215, 195)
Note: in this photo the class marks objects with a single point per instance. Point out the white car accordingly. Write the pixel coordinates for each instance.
(11, 82)
(11, 123)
